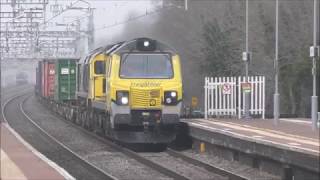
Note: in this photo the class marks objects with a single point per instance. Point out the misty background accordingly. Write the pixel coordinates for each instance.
(210, 38)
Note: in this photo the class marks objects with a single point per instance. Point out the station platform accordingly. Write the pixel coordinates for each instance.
(291, 141)
(294, 134)
(19, 160)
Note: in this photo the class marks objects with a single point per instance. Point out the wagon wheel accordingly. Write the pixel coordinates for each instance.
(68, 114)
(84, 119)
(90, 119)
(73, 114)
(79, 118)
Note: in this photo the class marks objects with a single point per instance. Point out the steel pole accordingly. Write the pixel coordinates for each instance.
(90, 30)
(314, 98)
(186, 5)
(246, 93)
(0, 79)
(276, 69)
(247, 37)
(0, 87)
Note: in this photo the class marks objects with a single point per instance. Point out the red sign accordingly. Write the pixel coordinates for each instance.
(226, 88)
(246, 87)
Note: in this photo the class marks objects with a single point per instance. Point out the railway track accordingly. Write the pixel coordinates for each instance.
(164, 170)
(167, 170)
(15, 116)
(209, 167)
(154, 162)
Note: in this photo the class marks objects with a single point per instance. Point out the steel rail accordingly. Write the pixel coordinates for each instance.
(9, 99)
(107, 176)
(209, 167)
(164, 170)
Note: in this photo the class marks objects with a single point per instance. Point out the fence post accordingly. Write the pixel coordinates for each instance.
(206, 98)
(239, 97)
(216, 88)
(211, 82)
(263, 97)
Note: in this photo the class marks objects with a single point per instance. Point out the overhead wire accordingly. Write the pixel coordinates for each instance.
(132, 18)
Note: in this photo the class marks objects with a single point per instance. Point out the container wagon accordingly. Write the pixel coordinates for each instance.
(38, 90)
(65, 79)
(47, 70)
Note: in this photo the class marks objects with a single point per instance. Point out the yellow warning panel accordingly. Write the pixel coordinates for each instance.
(194, 102)
(202, 147)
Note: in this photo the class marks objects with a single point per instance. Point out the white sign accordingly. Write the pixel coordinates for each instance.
(246, 56)
(226, 88)
(51, 71)
(314, 51)
(64, 71)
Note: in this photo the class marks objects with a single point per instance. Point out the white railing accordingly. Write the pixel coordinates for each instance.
(224, 96)
(257, 98)
(220, 93)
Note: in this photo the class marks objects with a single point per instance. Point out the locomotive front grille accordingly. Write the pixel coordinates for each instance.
(145, 98)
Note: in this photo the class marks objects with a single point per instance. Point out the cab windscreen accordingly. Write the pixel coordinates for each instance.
(146, 66)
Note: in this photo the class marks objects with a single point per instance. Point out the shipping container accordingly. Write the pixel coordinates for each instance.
(65, 79)
(48, 78)
(38, 86)
(38, 80)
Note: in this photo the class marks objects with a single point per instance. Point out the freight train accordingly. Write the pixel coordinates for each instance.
(130, 91)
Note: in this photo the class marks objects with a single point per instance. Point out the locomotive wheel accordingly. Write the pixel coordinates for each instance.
(107, 127)
(90, 120)
(99, 123)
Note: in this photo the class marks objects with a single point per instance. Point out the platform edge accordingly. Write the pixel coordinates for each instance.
(52, 164)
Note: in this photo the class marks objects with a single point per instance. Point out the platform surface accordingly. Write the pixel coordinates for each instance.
(292, 134)
(21, 161)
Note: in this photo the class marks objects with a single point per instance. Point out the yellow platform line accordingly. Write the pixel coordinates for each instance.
(265, 129)
(234, 134)
(9, 170)
(265, 133)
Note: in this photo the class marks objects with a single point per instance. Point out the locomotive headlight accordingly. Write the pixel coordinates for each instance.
(170, 97)
(122, 97)
(173, 94)
(124, 100)
(146, 43)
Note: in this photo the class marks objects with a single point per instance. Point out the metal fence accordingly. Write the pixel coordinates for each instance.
(224, 96)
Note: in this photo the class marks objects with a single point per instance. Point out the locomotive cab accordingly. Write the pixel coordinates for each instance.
(144, 91)
(131, 90)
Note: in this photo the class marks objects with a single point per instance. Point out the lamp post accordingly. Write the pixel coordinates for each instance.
(314, 53)
(246, 57)
(186, 5)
